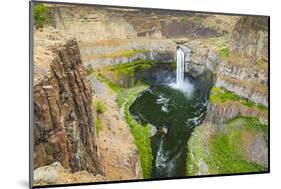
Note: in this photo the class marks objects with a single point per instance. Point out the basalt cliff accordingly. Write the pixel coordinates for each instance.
(67, 148)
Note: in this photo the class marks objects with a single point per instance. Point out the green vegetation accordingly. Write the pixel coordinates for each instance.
(131, 68)
(98, 125)
(140, 132)
(116, 88)
(89, 70)
(224, 52)
(220, 95)
(41, 17)
(100, 107)
(174, 64)
(225, 149)
(124, 74)
(253, 124)
(132, 52)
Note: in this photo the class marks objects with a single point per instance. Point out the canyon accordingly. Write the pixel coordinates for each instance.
(92, 64)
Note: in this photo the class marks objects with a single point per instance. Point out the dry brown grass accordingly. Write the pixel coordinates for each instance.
(108, 43)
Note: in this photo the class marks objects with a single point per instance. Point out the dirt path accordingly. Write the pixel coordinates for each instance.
(119, 155)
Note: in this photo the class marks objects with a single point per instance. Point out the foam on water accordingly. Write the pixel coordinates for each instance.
(186, 87)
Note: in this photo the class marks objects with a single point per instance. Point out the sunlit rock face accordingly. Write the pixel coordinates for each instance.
(253, 91)
(202, 60)
(221, 113)
(64, 127)
(250, 37)
(107, 31)
(245, 70)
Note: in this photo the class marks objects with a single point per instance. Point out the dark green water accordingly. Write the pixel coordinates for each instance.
(174, 113)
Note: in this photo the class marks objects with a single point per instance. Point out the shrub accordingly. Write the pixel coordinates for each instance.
(224, 52)
(40, 15)
(89, 70)
(100, 107)
(98, 125)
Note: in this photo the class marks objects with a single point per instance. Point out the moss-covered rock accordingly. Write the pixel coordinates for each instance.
(219, 95)
(238, 146)
(225, 105)
(124, 75)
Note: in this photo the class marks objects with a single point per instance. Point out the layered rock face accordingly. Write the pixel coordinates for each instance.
(202, 60)
(250, 90)
(107, 35)
(96, 23)
(245, 70)
(117, 51)
(90, 23)
(64, 127)
(110, 36)
(221, 113)
(250, 37)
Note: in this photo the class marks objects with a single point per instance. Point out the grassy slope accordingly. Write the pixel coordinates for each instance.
(220, 95)
(132, 67)
(124, 74)
(223, 150)
(125, 97)
(141, 132)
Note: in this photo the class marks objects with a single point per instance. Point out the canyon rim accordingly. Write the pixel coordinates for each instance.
(123, 94)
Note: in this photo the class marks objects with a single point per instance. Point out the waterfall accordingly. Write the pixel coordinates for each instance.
(180, 66)
(183, 58)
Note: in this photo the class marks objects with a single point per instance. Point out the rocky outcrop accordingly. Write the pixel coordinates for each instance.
(250, 37)
(96, 23)
(125, 51)
(90, 23)
(221, 113)
(244, 69)
(202, 59)
(102, 32)
(57, 174)
(64, 127)
(200, 56)
(253, 91)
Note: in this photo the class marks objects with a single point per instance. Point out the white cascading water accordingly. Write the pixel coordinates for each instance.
(180, 67)
(183, 85)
